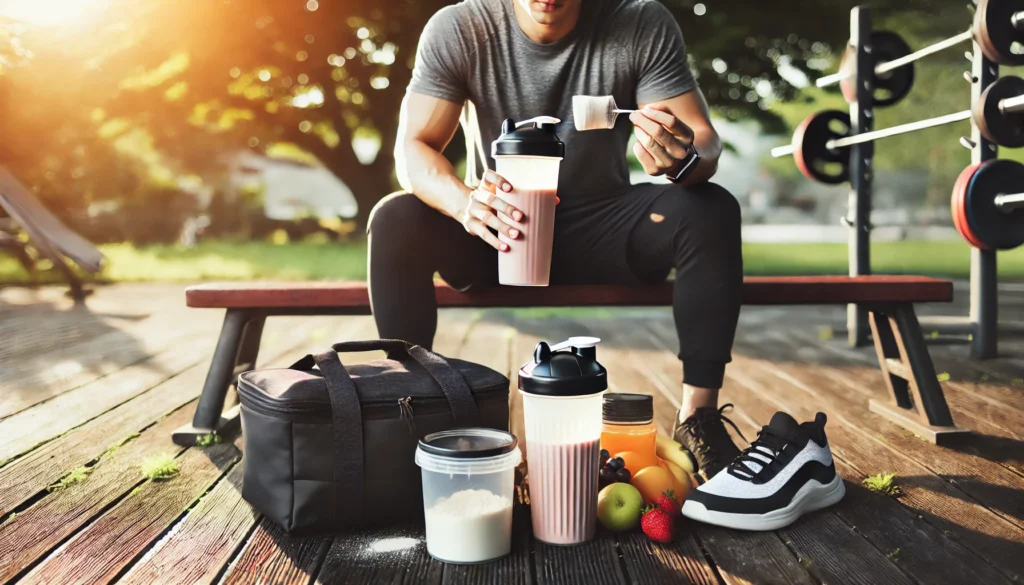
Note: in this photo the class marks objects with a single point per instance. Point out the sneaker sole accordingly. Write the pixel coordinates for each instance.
(812, 496)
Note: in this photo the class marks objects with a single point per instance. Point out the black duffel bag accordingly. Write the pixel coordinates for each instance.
(330, 447)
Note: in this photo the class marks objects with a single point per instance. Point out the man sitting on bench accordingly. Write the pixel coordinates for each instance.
(523, 58)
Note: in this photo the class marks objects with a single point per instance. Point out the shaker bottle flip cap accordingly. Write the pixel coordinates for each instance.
(556, 372)
(533, 137)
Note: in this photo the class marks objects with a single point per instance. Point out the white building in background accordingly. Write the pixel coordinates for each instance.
(293, 190)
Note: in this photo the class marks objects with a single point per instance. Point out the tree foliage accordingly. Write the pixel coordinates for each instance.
(187, 83)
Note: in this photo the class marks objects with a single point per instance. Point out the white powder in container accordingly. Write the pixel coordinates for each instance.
(471, 526)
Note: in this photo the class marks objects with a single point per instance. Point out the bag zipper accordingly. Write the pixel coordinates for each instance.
(321, 410)
(406, 413)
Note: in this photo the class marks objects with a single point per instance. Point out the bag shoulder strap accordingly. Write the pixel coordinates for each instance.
(454, 386)
(347, 423)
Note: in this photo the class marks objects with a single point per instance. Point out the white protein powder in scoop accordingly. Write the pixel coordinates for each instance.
(471, 526)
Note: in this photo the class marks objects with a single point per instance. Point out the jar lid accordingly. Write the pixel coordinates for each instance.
(566, 369)
(533, 137)
(471, 443)
(628, 408)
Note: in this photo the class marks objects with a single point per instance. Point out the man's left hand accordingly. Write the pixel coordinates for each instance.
(662, 140)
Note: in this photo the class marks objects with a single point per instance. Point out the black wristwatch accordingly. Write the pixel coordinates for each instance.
(688, 165)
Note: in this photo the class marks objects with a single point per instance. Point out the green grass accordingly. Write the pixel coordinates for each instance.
(77, 475)
(207, 440)
(306, 261)
(160, 467)
(883, 483)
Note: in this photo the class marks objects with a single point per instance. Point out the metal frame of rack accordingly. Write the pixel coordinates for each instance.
(982, 322)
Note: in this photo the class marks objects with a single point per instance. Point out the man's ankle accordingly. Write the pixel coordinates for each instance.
(694, 398)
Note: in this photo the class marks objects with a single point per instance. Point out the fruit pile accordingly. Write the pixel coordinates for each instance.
(648, 494)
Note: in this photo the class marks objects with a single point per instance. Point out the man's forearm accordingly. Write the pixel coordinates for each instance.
(709, 146)
(430, 176)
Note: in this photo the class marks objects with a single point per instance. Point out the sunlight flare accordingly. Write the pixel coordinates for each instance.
(51, 12)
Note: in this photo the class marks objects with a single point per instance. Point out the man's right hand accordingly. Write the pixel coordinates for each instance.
(483, 208)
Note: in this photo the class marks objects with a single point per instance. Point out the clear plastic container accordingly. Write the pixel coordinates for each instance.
(468, 491)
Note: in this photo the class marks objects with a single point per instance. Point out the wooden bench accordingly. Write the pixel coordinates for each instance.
(917, 402)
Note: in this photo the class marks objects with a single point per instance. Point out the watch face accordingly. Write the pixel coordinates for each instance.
(689, 163)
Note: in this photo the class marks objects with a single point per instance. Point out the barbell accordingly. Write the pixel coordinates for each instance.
(998, 25)
(988, 210)
(821, 141)
(891, 53)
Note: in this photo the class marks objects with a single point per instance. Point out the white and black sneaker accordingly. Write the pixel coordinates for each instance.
(787, 472)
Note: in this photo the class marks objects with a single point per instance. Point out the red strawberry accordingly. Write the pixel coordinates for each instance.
(668, 503)
(657, 524)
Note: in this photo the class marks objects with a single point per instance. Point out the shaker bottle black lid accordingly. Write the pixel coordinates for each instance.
(535, 137)
(567, 369)
(619, 407)
(472, 443)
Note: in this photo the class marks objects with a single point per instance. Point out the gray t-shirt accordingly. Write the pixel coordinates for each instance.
(630, 49)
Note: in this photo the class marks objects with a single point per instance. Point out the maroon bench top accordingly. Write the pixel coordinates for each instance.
(758, 290)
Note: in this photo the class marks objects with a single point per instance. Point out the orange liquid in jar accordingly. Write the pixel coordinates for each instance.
(639, 438)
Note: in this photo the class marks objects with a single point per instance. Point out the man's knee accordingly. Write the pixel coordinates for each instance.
(397, 213)
(706, 208)
(712, 205)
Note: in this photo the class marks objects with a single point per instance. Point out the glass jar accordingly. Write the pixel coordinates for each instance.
(629, 426)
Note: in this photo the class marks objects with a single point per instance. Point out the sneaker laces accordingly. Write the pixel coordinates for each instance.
(760, 455)
(698, 425)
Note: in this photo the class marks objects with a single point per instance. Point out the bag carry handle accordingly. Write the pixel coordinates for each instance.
(454, 386)
(347, 423)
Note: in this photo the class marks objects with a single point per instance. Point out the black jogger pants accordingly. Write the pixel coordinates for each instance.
(635, 235)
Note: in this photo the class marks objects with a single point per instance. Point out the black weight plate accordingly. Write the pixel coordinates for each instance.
(1003, 129)
(995, 32)
(992, 227)
(890, 87)
(814, 159)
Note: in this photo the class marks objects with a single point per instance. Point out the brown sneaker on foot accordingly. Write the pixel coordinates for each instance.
(704, 434)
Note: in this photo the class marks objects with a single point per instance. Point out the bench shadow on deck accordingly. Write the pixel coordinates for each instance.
(960, 517)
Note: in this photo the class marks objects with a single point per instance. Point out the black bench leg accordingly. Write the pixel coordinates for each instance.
(236, 352)
(77, 291)
(918, 403)
(24, 259)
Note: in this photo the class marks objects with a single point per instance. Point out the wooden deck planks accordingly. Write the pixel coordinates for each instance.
(592, 563)
(200, 546)
(397, 556)
(27, 475)
(271, 556)
(44, 374)
(748, 558)
(682, 561)
(950, 526)
(42, 527)
(28, 428)
(117, 538)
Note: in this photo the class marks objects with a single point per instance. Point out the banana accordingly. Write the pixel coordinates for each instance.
(672, 451)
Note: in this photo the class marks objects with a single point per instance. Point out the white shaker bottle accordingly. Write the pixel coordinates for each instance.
(562, 392)
(528, 155)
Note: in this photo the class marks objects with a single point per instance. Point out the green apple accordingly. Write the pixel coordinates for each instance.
(618, 507)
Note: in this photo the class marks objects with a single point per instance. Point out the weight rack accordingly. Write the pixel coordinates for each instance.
(982, 321)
